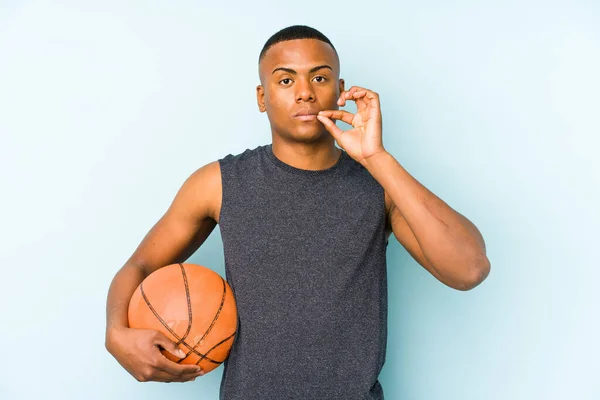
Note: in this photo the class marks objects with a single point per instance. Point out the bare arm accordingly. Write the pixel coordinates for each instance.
(440, 239)
(175, 237)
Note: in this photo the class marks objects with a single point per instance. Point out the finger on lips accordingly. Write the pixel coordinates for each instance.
(341, 115)
(338, 114)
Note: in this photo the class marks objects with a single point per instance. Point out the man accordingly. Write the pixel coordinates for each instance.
(304, 226)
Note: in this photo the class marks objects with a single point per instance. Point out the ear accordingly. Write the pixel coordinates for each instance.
(260, 98)
(341, 86)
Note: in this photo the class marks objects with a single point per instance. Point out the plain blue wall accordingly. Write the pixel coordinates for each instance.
(107, 106)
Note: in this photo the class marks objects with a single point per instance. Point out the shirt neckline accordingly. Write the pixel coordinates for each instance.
(299, 171)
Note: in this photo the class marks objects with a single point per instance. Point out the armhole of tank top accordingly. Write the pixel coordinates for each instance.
(385, 217)
(222, 162)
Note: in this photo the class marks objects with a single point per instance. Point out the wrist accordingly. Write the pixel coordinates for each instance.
(112, 336)
(375, 159)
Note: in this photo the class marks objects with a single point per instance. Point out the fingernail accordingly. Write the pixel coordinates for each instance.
(180, 353)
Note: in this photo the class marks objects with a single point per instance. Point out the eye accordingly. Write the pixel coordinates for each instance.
(285, 81)
(322, 79)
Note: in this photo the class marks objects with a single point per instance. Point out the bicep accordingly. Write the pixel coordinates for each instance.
(185, 225)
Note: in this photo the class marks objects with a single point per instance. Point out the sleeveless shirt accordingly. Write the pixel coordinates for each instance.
(305, 258)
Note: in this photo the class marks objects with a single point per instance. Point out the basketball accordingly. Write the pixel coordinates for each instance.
(193, 306)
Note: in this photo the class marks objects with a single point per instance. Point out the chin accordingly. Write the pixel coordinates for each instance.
(308, 135)
(311, 132)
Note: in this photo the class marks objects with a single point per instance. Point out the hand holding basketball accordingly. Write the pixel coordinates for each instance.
(139, 352)
(194, 309)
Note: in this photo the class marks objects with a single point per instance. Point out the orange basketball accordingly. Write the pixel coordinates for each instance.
(193, 306)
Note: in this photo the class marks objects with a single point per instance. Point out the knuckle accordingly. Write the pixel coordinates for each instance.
(148, 373)
(142, 377)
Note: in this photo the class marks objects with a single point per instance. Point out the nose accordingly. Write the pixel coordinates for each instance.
(304, 91)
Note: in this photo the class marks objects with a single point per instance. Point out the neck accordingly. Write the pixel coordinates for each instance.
(312, 156)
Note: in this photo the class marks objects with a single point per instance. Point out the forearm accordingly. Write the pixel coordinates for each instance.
(449, 241)
(120, 291)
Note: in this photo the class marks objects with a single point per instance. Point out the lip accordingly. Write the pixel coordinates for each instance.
(306, 115)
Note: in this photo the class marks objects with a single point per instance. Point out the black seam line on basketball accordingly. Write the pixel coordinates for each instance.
(193, 349)
(168, 328)
(189, 304)
(216, 317)
(217, 345)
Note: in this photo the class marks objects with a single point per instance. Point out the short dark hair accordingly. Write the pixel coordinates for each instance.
(292, 33)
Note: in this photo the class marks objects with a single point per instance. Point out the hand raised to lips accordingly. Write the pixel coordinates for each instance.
(364, 140)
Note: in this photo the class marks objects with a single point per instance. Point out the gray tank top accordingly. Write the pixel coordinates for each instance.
(305, 258)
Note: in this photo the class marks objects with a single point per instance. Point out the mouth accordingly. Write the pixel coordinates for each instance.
(305, 115)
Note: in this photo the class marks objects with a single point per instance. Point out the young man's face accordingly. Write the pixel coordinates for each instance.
(299, 78)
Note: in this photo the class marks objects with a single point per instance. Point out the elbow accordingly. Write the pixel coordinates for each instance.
(476, 274)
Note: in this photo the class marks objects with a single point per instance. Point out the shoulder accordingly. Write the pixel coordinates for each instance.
(246, 156)
(204, 187)
(200, 194)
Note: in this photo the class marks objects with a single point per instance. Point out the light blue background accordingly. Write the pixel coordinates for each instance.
(107, 106)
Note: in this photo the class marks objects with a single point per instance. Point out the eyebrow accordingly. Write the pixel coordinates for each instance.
(291, 71)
